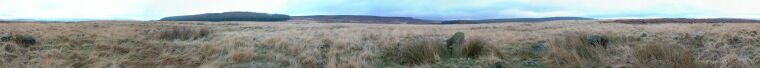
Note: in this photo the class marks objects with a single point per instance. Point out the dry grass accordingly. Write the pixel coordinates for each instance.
(421, 51)
(473, 47)
(242, 56)
(183, 33)
(663, 55)
(130, 44)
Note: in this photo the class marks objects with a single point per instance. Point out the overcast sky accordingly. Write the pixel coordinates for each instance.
(425, 9)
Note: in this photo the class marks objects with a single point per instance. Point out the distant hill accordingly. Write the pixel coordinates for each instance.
(362, 19)
(230, 16)
(513, 20)
(683, 20)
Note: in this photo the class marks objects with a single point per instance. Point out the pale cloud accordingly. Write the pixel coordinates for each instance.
(526, 13)
(128, 9)
(68, 8)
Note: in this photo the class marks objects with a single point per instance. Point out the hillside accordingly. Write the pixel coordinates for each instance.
(513, 20)
(362, 19)
(230, 16)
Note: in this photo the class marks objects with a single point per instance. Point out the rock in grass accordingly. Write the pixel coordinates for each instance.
(541, 47)
(25, 40)
(5, 37)
(596, 40)
(454, 41)
(499, 64)
(28, 40)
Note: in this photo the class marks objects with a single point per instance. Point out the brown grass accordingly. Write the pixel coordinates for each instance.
(575, 49)
(473, 47)
(183, 33)
(164, 44)
(242, 56)
(421, 51)
(663, 55)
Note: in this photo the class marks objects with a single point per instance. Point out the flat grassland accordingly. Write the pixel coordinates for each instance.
(167, 44)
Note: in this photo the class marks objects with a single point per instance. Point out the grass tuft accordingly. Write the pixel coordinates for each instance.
(668, 56)
(473, 48)
(420, 51)
(576, 49)
(184, 33)
(240, 56)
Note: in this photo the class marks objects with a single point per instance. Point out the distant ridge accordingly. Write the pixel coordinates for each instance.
(362, 19)
(513, 20)
(683, 20)
(230, 16)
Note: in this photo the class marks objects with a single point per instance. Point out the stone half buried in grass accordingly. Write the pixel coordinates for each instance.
(5, 38)
(460, 47)
(453, 42)
(597, 40)
(533, 63)
(540, 47)
(24, 40)
(28, 40)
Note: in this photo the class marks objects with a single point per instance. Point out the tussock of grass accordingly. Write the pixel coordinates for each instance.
(183, 33)
(421, 51)
(577, 49)
(242, 56)
(735, 61)
(473, 48)
(663, 55)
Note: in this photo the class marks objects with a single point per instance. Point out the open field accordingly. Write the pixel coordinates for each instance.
(582, 44)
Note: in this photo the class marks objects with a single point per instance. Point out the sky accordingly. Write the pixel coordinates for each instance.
(424, 9)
